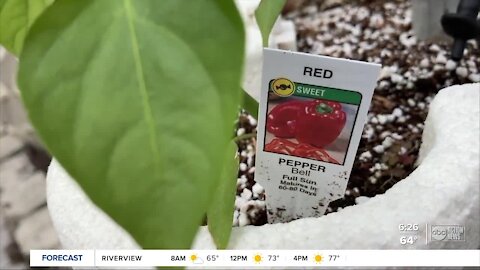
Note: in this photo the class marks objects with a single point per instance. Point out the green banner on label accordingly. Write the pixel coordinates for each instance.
(321, 92)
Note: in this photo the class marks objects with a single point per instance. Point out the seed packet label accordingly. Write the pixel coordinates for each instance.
(311, 116)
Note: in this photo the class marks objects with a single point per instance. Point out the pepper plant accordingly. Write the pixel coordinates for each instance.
(137, 100)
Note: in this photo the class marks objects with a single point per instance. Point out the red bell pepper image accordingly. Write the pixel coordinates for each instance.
(320, 122)
(308, 151)
(281, 146)
(314, 124)
(282, 119)
(284, 146)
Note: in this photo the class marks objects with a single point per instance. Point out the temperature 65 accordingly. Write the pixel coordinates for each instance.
(212, 258)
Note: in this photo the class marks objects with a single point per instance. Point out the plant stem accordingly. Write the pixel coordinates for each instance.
(250, 104)
(245, 136)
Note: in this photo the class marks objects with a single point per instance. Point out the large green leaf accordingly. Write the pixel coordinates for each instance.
(266, 15)
(220, 212)
(137, 100)
(16, 17)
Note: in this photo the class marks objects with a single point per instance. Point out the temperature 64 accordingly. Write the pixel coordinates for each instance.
(408, 240)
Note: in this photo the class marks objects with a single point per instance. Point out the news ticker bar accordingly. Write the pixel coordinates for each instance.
(253, 258)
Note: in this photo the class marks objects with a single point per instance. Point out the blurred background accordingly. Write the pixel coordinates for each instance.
(406, 37)
(24, 220)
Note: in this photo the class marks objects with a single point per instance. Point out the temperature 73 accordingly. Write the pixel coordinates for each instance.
(273, 258)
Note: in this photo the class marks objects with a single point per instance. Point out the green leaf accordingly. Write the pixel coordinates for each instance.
(266, 15)
(250, 104)
(16, 17)
(221, 210)
(137, 99)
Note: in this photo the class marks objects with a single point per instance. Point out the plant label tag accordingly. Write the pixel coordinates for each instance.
(311, 117)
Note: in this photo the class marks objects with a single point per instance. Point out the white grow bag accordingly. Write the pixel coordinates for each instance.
(444, 189)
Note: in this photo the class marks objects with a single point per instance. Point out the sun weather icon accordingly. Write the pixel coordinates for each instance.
(318, 258)
(195, 259)
(257, 258)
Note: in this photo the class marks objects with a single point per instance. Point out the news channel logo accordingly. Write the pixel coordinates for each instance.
(447, 233)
